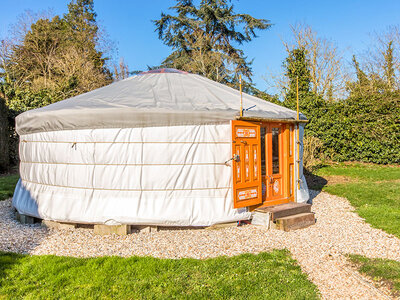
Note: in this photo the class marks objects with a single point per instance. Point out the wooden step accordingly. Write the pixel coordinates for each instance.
(295, 221)
(285, 210)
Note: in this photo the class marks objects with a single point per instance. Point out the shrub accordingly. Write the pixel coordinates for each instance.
(312, 155)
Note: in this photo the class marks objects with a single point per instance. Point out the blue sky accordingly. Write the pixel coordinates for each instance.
(128, 23)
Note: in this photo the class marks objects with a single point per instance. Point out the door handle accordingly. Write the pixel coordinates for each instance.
(235, 157)
(271, 179)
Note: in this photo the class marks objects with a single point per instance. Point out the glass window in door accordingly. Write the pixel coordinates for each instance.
(275, 150)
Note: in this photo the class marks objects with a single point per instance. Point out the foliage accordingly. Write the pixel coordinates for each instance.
(311, 105)
(324, 61)
(4, 137)
(364, 127)
(7, 186)
(311, 153)
(50, 59)
(297, 71)
(273, 275)
(373, 191)
(56, 58)
(384, 271)
(204, 39)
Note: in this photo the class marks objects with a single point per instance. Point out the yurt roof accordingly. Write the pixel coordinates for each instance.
(164, 97)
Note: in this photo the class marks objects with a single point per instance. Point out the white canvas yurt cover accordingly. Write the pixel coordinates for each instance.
(150, 149)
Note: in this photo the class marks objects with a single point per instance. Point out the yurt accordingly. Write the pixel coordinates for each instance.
(165, 148)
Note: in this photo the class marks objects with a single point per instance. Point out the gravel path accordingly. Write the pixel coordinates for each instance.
(319, 249)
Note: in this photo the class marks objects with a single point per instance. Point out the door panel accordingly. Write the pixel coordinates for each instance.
(246, 164)
(274, 161)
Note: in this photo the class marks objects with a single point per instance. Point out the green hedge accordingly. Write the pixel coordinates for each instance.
(361, 128)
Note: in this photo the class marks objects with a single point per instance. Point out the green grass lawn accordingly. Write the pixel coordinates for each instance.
(381, 270)
(273, 275)
(7, 185)
(374, 191)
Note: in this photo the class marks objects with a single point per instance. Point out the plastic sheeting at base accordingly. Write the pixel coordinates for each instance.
(302, 195)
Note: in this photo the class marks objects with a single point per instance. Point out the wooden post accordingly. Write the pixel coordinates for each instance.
(298, 134)
(241, 97)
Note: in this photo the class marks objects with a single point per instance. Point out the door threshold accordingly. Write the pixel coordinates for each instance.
(271, 203)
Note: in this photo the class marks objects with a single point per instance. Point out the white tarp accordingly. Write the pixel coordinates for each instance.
(163, 99)
(153, 175)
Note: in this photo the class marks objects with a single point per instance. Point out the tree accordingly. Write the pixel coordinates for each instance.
(327, 77)
(84, 31)
(382, 61)
(388, 67)
(49, 58)
(362, 85)
(56, 58)
(204, 39)
(121, 71)
(379, 77)
(296, 70)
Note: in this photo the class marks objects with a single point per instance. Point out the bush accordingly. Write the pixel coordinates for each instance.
(312, 155)
(363, 129)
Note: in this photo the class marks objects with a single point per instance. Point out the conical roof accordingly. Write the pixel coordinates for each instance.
(164, 97)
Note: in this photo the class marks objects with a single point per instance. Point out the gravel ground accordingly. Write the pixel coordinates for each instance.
(319, 249)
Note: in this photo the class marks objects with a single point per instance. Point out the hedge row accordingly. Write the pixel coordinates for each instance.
(361, 128)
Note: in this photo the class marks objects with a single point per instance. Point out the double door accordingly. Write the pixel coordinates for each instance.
(263, 163)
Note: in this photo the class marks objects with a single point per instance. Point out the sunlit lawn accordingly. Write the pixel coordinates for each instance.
(273, 275)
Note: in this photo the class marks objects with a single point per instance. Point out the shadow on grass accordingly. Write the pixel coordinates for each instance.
(315, 182)
(7, 185)
(8, 261)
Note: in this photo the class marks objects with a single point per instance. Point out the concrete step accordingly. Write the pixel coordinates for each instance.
(285, 210)
(295, 221)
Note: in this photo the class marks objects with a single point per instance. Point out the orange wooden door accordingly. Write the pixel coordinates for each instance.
(274, 161)
(246, 150)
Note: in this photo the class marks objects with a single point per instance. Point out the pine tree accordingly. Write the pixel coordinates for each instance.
(204, 38)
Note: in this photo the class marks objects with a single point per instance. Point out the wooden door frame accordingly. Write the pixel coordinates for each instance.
(287, 159)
